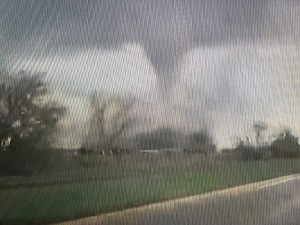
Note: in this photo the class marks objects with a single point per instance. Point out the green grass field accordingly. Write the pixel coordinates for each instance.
(124, 182)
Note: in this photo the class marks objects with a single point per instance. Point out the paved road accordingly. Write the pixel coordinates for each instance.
(269, 205)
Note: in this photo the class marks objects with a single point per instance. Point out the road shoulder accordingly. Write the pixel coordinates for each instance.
(186, 200)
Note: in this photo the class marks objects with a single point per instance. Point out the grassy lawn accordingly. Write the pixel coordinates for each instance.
(147, 181)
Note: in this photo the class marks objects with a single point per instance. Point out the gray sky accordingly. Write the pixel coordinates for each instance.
(217, 63)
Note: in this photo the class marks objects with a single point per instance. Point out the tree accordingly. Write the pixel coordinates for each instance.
(161, 138)
(200, 141)
(28, 117)
(109, 118)
(286, 146)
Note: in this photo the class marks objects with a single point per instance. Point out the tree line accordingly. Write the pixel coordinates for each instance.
(29, 119)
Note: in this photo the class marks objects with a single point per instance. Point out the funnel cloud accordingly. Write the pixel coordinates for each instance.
(220, 65)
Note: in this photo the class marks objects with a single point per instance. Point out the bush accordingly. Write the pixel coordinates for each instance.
(23, 162)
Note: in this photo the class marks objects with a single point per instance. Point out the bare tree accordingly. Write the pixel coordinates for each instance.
(110, 117)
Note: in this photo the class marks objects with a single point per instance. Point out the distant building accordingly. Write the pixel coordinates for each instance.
(149, 151)
(172, 150)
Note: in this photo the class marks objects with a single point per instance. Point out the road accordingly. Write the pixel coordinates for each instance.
(273, 204)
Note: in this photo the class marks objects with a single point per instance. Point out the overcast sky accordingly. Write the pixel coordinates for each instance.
(216, 63)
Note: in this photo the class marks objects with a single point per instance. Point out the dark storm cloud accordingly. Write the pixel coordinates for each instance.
(166, 28)
(228, 57)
